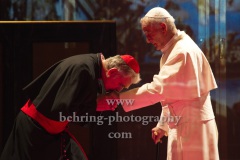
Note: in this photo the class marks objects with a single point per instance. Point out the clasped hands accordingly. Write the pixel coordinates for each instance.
(106, 102)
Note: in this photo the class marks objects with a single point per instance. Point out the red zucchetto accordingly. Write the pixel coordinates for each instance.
(131, 62)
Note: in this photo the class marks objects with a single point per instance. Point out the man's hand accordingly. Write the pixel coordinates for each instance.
(102, 104)
(157, 134)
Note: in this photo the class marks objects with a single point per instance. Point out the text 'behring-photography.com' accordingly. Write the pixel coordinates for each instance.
(100, 120)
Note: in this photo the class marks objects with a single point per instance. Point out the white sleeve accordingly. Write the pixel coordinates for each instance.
(158, 89)
(162, 123)
(142, 96)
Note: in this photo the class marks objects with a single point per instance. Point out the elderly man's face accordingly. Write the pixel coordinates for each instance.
(154, 34)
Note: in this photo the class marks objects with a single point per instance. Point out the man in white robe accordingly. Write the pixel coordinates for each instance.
(183, 87)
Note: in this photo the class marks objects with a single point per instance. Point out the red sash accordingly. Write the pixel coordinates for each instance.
(51, 126)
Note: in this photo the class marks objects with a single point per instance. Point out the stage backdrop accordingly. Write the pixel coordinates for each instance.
(213, 24)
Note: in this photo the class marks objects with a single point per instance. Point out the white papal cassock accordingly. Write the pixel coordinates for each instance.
(183, 87)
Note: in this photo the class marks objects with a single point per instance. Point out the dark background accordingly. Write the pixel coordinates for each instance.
(25, 50)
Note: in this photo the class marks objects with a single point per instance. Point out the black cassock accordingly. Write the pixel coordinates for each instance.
(70, 85)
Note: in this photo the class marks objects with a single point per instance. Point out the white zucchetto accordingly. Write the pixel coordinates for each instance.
(158, 12)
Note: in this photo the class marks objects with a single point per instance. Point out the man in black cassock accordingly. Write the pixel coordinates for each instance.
(69, 86)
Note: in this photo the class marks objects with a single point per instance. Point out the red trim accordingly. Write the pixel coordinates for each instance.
(79, 145)
(51, 126)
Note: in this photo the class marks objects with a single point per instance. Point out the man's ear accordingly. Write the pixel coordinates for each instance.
(163, 27)
(112, 72)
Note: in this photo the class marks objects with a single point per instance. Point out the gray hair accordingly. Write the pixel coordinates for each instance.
(118, 62)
